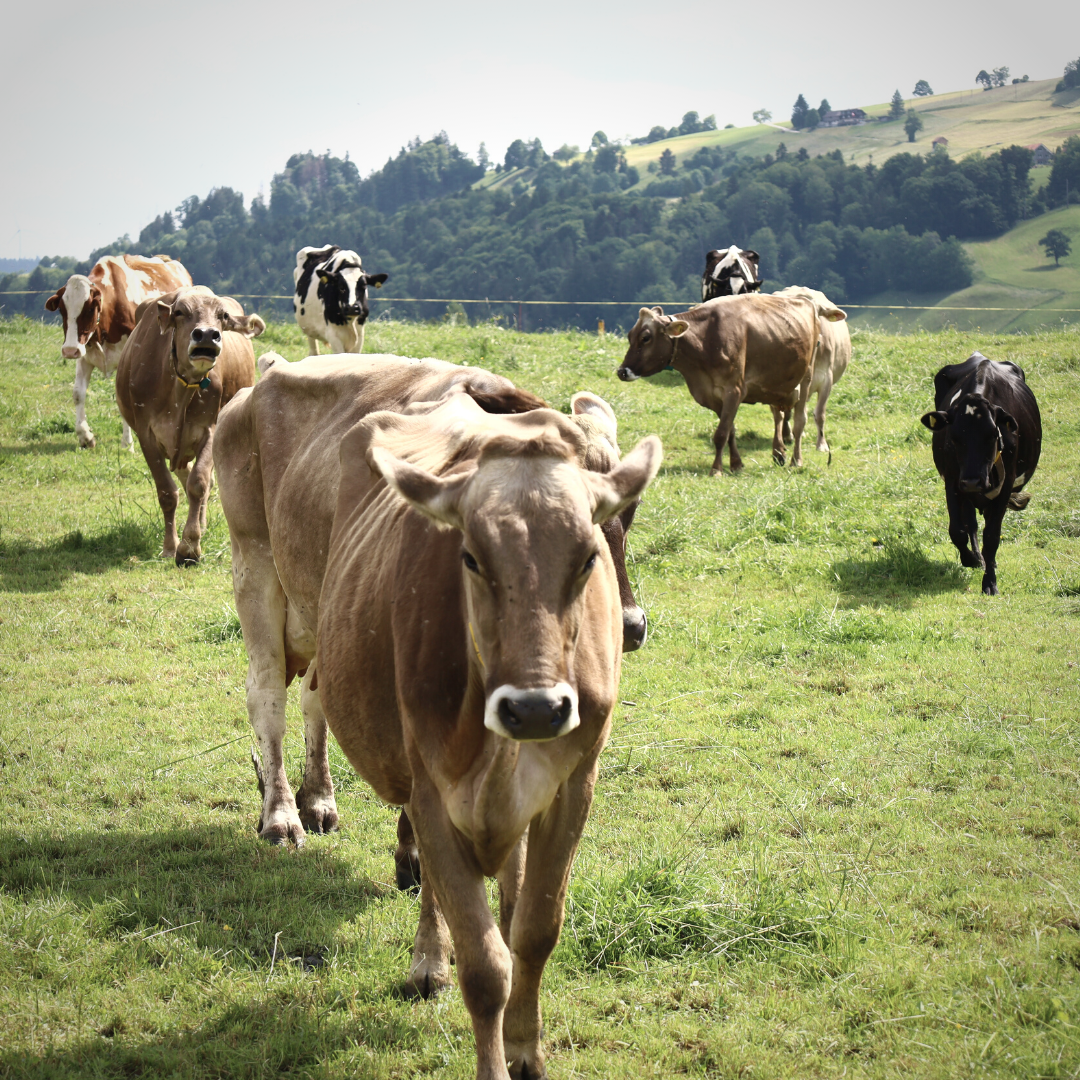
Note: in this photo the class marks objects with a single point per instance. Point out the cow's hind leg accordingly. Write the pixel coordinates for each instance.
(800, 423)
(778, 438)
(83, 370)
(407, 856)
(315, 797)
(433, 950)
(819, 414)
(260, 603)
(786, 433)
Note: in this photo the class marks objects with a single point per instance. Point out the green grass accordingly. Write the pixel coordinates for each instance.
(836, 829)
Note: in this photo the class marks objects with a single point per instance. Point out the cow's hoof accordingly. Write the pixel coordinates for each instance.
(778, 457)
(526, 1070)
(184, 561)
(989, 588)
(320, 817)
(971, 560)
(716, 472)
(796, 463)
(279, 835)
(407, 872)
(426, 985)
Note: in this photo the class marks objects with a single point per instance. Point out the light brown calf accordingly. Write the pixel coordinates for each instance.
(188, 355)
(753, 349)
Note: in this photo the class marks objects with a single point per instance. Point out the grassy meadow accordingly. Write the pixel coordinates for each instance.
(837, 827)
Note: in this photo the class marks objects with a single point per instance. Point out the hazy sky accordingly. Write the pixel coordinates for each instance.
(119, 110)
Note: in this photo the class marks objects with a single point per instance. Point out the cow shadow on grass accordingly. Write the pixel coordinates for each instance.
(897, 572)
(186, 906)
(43, 567)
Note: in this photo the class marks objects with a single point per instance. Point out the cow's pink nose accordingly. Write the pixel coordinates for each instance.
(70, 352)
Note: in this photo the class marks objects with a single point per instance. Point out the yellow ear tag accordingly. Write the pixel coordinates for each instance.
(378, 284)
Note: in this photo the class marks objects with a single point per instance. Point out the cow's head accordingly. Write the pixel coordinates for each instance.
(528, 514)
(197, 318)
(79, 304)
(978, 433)
(730, 272)
(343, 288)
(652, 344)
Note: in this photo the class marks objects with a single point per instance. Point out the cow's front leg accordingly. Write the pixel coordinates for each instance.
(778, 436)
(166, 490)
(511, 878)
(260, 603)
(724, 431)
(992, 520)
(315, 797)
(484, 967)
(538, 917)
(197, 484)
(786, 433)
(963, 528)
(83, 371)
(312, 346)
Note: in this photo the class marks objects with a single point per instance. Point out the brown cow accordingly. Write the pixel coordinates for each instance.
(188, 355)
(276, 449)
(753, 349)
(98, 311)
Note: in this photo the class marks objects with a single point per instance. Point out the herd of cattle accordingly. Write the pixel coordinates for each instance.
(440, 558)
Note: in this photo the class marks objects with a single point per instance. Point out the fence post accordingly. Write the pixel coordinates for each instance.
(521, 323)
(600, 329)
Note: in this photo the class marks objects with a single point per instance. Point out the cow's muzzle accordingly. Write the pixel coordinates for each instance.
(73, 352)
(205, 343)
(973, 487)
(626, 374)
(532, 715)
(635, 628)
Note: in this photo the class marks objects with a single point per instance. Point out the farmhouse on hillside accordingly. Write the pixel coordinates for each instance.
(842, 118)
(940, 141)
(1040, 154)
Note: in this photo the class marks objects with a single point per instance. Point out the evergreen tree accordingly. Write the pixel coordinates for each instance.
(824, 107)
(896, 106)
(798, 113)
(667, 163)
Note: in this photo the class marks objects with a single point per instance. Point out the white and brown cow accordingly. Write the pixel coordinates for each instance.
(330, 302)
(730, 273)
(98, 310)
(465, 654)
(189, 354)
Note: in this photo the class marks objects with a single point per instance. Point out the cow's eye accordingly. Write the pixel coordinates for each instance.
(590, 562)
(470, 562)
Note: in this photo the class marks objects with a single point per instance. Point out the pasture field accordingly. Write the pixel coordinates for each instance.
(837, 826)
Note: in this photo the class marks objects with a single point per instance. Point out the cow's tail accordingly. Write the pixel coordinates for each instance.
(268, 360)
(1018, 500)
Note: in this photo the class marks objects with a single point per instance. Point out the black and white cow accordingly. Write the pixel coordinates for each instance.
(330, 303)
(987, 438)
(728, 273)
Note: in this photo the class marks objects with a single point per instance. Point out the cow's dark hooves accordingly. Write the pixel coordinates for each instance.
(972, 562)
(990, 589)
(186, 561)
(426, 989)
(778, 459)
(408, 879)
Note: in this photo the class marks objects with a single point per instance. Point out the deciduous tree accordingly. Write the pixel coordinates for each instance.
(984, 79)
(1057, 244)
(913, 124)
(922, 89)
(762, 116)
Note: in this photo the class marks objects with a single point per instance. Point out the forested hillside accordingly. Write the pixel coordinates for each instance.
(441, 225)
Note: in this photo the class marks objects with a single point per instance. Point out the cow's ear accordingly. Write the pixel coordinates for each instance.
(376, 279)
(248, 325)
(936, 420)
(658, 310)
(612, 492)
(751, 254)
(676, 328)
(436, 497)
(1006, 422)
(164, 315)
(54, 301)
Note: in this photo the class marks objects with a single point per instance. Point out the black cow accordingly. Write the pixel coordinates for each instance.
(330, 303)
(987, 439)
(729, 273)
